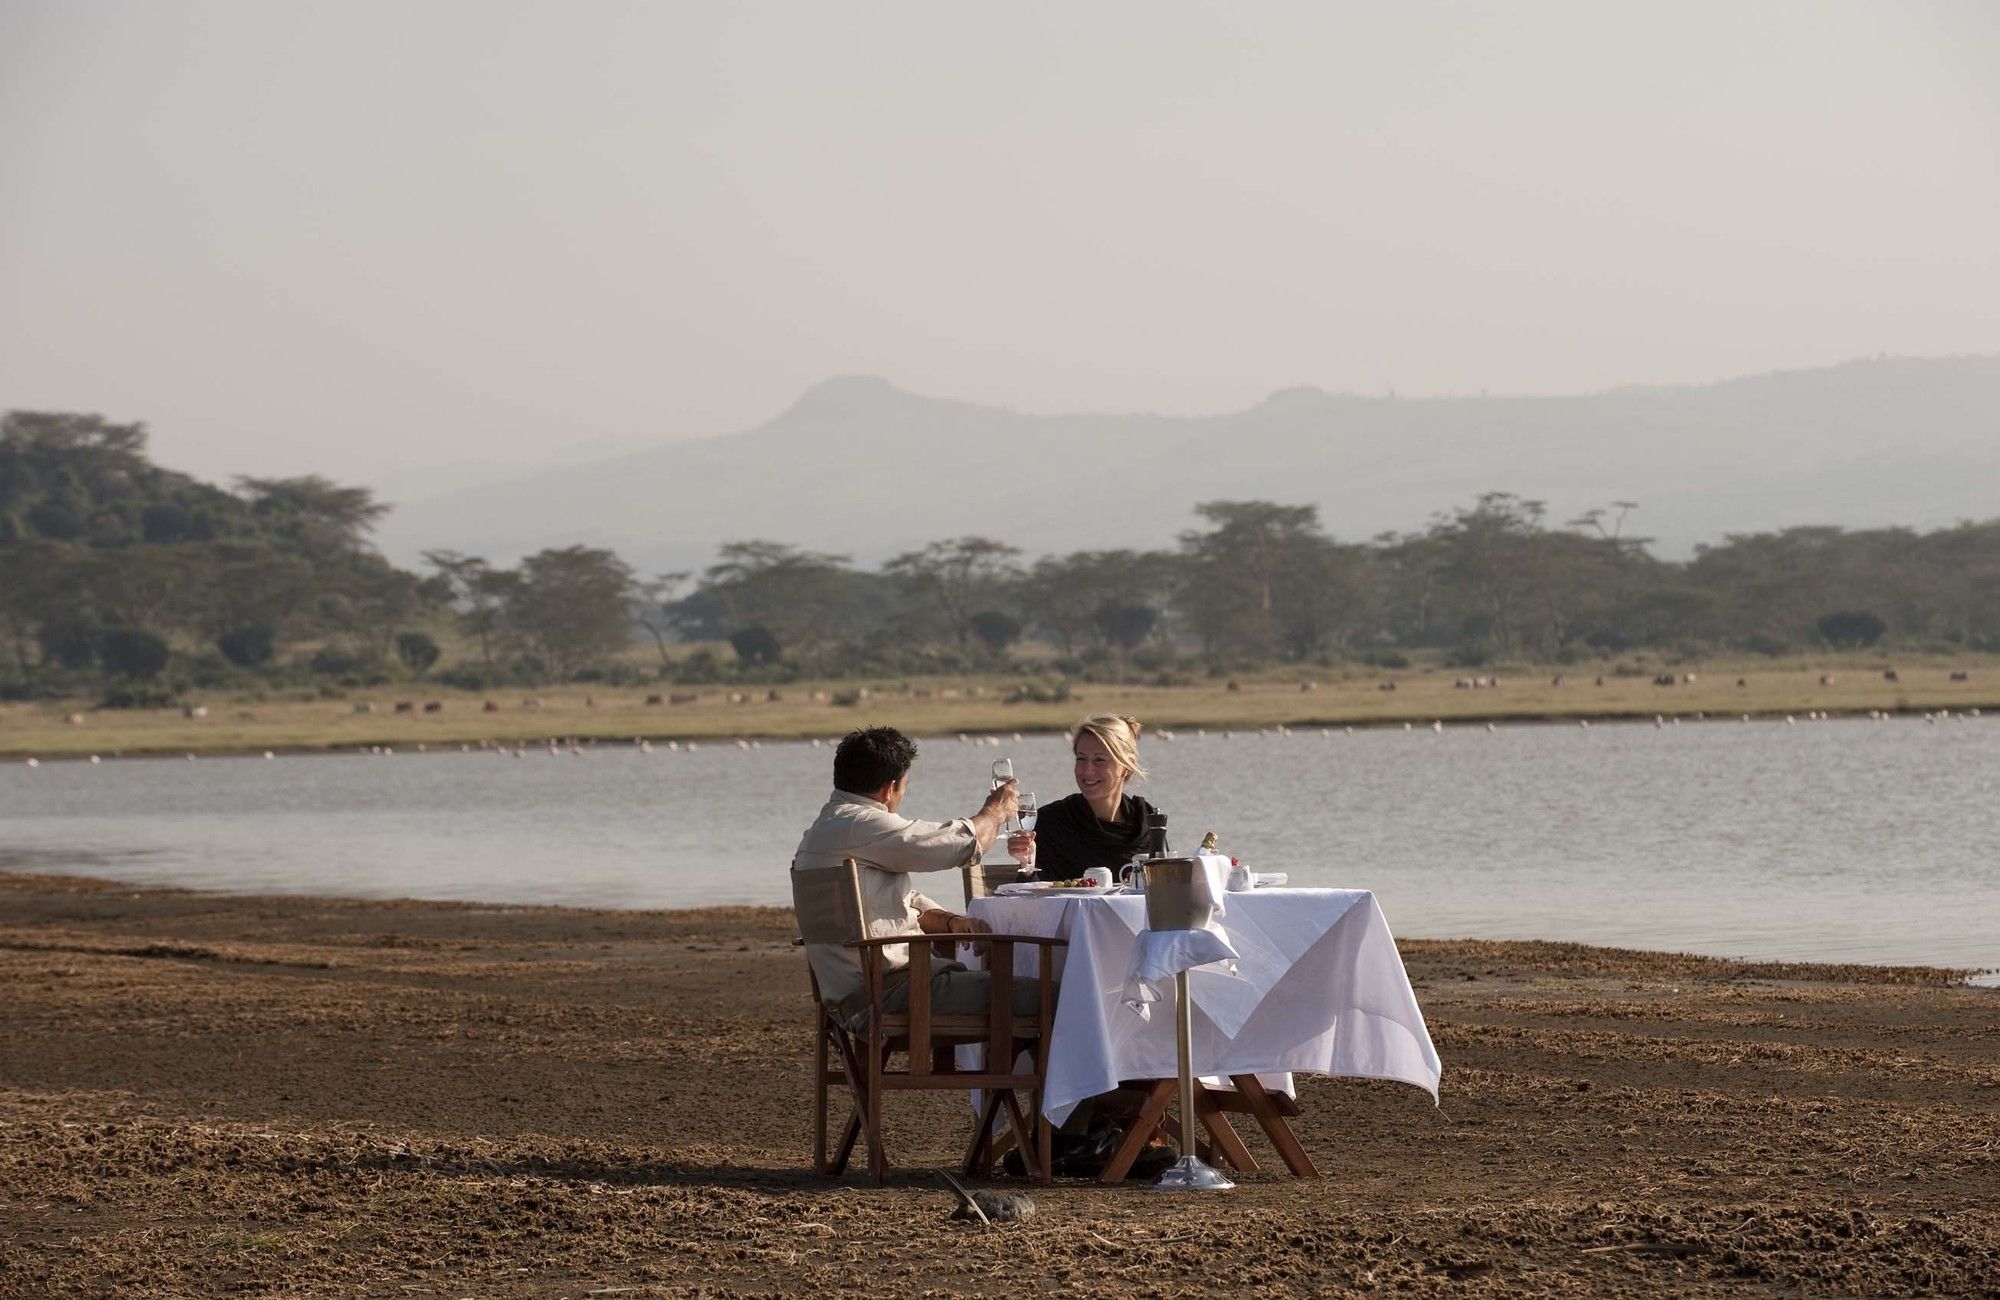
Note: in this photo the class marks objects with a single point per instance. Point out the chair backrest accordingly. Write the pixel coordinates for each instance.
(1171, 900)
(827, 903)
(982, 878)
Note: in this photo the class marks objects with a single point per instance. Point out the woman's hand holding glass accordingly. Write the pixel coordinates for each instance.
(1021, 844)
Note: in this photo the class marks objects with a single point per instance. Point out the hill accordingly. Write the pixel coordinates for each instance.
(859, 466)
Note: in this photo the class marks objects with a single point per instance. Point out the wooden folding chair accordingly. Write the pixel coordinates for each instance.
(827, 901)
(982, 878)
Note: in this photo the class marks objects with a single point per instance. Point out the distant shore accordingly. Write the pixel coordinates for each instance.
(203, 1093)
(377, 718)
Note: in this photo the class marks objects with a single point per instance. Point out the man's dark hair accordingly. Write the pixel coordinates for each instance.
(870, 759)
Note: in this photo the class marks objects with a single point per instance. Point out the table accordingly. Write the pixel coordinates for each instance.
(1319, 988)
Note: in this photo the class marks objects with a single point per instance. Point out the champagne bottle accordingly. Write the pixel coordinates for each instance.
(1208, 842)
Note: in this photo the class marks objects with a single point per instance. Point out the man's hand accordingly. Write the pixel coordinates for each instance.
(1001, 804)
(1005, 800)
(939, 921)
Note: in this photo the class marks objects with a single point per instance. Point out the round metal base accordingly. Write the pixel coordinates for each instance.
(1189, 1174)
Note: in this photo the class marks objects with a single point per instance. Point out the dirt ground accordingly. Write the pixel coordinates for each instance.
(207, 1095)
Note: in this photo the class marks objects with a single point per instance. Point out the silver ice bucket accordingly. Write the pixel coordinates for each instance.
(1171, 896)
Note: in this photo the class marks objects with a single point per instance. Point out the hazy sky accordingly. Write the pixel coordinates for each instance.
(348, 235)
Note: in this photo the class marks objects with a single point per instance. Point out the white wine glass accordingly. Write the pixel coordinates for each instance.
(1026, 815)
(1003, 772)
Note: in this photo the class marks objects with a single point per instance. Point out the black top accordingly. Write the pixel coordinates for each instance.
(1070, 840)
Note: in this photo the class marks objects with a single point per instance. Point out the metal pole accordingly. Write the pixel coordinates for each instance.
(1184, 1032)
(1188, 1174)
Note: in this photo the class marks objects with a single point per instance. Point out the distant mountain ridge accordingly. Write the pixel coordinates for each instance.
(860, 467)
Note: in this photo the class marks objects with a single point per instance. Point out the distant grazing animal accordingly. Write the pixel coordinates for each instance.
(682, 697)
(1557, 680)
(405, 706)
(1961, 676)
(1308, 687)
(590, 701)
(363, 706)
(652, 701)
(531, 703)
(1889, 675)
(489, 707)
(1386, 686)
(1233, 686)
(1741, 682)
(1665, 679)
(1600, 679)
(738, 697)
(195, 711)
(433, 706)
(774, 696)
(74, 719)
(1688, 678)
(1826, 679)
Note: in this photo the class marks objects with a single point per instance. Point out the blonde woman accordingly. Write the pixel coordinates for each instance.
(1102, 824)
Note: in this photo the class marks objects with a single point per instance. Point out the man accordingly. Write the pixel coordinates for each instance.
(862, 820)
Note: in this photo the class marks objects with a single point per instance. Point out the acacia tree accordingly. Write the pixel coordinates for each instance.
(800, 599)
(481, 593)
(1233, 576)
(570, 607)
(959, 578)
(653, 608)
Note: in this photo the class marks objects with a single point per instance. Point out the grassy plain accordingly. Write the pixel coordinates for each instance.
(1313, 697)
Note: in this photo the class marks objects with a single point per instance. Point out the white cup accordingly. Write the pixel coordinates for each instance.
(1099, 876)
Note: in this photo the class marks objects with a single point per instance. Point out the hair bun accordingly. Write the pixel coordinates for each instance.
(1132, 723)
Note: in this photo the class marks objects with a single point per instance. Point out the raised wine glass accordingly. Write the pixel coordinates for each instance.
(1026, 815)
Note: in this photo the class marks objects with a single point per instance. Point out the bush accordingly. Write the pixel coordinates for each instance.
(329, 662)
(417, 651)
(132, 652)
(1763, 643)
(139, 695)
(72, 645)
(465, 678)
(1038, 693)
(1475, 654)
(248, 646)
(1395, 659)
(1851, 629)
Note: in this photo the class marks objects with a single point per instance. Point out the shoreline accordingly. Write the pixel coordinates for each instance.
(205, 1093)
(446, 742)
(1550, 953)
(446, 719)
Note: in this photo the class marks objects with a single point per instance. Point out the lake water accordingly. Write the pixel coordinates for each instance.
(1832, 840)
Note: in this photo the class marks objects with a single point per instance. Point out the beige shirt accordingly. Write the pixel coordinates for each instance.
(855, 826)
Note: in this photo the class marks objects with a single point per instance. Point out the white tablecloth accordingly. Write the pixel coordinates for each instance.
(1318, 987)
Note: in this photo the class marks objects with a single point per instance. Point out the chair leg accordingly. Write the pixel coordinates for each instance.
(1274, 1126)
(878, 1158)
(1144, 1125)
(856, 1084)
(819, 1101)
(1222, 1137)
(980, 1152)
(1045, 1153)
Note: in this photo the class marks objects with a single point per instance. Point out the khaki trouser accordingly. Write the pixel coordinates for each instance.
(955, 991)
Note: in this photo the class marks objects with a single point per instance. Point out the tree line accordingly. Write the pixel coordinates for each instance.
(120, 575)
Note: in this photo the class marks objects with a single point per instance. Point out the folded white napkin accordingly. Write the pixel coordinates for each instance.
(1159, 955)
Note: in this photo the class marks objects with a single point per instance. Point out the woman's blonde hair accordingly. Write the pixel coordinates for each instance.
(1118, 734)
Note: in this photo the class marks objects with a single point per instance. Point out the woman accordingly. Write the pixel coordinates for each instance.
(1100, 825)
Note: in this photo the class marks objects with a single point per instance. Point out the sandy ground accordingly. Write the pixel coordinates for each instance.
(208, 1095)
